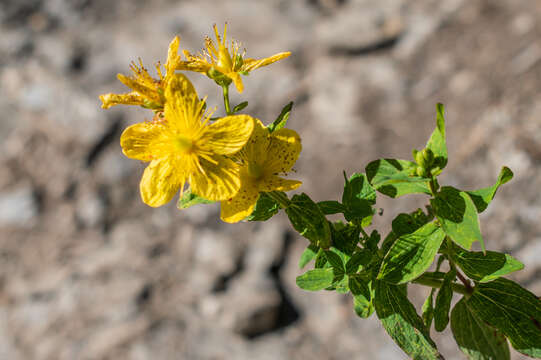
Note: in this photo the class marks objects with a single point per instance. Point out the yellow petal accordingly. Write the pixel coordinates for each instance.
(276, 183)
(173, 58)
(194, 64)
(252, 64)
(240, 206)
(257, 146)
(132, 98)
(227, 135)
(183, 110)
(219, 181)
(283, 152)
(236, 80)
(147, 90)
(161, 181)
(145, 141)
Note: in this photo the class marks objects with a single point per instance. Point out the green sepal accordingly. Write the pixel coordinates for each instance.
(402, 323)
(458, 216)
(240, 106)
(308, 219)
(281, 120)
(477, 339)
(358, 197)
(264, 209)
(443, 302)
(190, 199)
(316, 279)
(395, 178)
(436, 143)
(513, 310)
(308, 255)
(331, 207)
(484, 267)
(411, 254)
(363, 296)
(219, 77)
(482, 197)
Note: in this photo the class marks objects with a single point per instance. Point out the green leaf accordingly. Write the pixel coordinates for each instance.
(340, 286)
(316, 279)
(428, 309)
(411, 254)
(336, 262)
(240, 106)
(405, 224)
(358, 197)
(484, 267)
(190, 199)
(436, 143)
(513, 310)
(321, 259)
(443, 302)
(331, 207)
(307, 218)
(345, 237)
(474, 337)
(482, 197)
(394, 178)
(264, 209)
(402, 323)
(360, 258)
(373, 240)
(308, 255)
(281, 120)
(363, 295)
(458, 216)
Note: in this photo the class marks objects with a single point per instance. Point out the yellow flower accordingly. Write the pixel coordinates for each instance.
(264, 156)
(182, 147)
(147, 91)
(227, 61)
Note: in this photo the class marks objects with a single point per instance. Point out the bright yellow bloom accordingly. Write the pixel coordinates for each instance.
(264, 157)
(182, 147)
(228, 61)
(147, 91)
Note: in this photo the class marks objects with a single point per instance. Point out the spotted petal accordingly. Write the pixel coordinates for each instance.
(227, 135)
(131, 98)
(173, 58)
(219, 181)
(285, 147)
(242, 205)
(145, 141)
(276, 183)
(252, 64)
(161, 181)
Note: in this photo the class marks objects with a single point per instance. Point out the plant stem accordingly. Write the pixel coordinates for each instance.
(435, 283)
(280, 198)
(225, 89)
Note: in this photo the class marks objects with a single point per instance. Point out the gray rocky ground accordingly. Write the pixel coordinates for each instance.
(89, 272)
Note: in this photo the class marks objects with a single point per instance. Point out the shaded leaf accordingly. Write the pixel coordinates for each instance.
(264, 209)
(482, 197)
(477, 339)
(331, 207)
(485, 267)
(307, 218)
(443, 302)
(358, 197)
(316, 279)
(308, 255)
(281, 120)
(190, 199)
(394, 177)
(458, 216)
(436, 143)
(411, 254)
(361, 258)
(363, 295)
(402, 323)
(428, 309)
(513, 310)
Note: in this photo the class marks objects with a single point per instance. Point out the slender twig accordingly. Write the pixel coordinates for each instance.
(435, 283)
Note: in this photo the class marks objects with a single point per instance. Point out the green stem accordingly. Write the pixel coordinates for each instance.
(225, 89)
(435, 283)
(280, 198)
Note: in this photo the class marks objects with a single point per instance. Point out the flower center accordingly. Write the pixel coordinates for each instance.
(183, 144)
(255, 170)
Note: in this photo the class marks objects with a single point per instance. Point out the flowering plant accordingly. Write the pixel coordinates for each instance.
(240, 162)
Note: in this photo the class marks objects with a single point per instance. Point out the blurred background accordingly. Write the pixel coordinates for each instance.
(87, 271)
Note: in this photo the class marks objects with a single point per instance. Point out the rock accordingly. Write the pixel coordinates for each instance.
(18, 207)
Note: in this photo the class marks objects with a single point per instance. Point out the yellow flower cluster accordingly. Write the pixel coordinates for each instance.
(232, 159)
